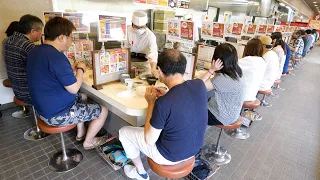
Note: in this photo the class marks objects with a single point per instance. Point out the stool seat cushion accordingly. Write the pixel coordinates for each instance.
(266, 92)
(18, 102)
(179, 170)
(6, 83)
(251, 104)
(235, 125)
(278, 81)
(53, 129)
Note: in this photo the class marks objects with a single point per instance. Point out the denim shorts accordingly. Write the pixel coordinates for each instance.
(78, 113)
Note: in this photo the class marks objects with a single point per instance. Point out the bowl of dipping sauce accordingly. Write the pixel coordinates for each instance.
(152, 80)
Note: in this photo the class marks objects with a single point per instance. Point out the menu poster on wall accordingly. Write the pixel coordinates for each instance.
(228, 29)
(218, 30)
(113, 60)
(262, 29)
(184, 4)
(112, 28)
(206, 29)
(187, 30)
(237, 28)
(163, 2)
(278, 29)
(152, 2)
(251, 29)
(173, 32)
(173, 3)
(227, 16)
(140, 1)
(78, 21)
(49, 15)
(270, 28)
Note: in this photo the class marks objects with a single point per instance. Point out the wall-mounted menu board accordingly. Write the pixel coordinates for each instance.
(78, 21)
(180, 31)
(212, 31)
(184, 4)
(109, 64)
(49, 15)
(112, 28)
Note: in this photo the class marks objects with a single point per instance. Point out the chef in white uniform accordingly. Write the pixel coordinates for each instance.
(143, 44)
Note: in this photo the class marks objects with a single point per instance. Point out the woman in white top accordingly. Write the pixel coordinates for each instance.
(280, 48)
(253, 67)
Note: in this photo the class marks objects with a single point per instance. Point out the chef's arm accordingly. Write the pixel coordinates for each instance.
(153, 66)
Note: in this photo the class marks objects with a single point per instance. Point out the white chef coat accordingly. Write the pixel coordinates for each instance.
(145, 44)
(253, 69)
(282, 58)
(272, 60)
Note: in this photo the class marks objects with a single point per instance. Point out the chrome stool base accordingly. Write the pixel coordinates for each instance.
(20, 114)
(57, 164)
(237, 133)
(221, 156)
(33, 134)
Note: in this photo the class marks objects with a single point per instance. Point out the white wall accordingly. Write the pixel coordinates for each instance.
(10, 11)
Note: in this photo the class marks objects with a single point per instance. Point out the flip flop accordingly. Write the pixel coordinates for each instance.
(100, 141)
(80, 138)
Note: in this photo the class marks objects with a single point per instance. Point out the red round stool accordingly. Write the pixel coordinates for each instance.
(6, 83)
(66, 159)
(263, 101)
(179, 170)
(276, 85)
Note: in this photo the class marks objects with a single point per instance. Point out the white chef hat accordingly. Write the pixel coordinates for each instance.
(139, 18)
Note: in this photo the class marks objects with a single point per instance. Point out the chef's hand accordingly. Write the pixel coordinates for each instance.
(160, 92)
(81, 65)
(151, 95)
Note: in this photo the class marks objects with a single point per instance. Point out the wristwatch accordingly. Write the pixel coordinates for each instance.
(81, 69)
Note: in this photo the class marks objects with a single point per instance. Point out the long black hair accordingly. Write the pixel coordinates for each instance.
(227, 53)
(12, 28)
(279, 41)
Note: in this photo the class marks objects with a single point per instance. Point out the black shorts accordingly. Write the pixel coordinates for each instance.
(212, 120)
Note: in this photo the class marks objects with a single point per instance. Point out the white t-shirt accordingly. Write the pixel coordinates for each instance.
(282, 58)
(253, 69)
(145, 44)
(272, 70)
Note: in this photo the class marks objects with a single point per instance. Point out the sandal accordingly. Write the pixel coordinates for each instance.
(99, 141)
(79, 139)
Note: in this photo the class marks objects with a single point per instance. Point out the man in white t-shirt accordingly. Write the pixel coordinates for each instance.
(271, 59)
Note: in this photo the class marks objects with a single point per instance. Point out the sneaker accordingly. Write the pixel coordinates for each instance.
(131, 172)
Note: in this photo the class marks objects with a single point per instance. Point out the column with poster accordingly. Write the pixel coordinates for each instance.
(78, 20)
(112, 28)
(49, 15)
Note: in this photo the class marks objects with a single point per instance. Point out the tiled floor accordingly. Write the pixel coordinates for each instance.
(284, 145)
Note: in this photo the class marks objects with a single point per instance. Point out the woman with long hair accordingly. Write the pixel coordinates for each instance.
(227, 85)
(279, 47)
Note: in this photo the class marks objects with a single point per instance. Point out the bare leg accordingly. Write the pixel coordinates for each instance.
(81, 129)
(94, 127)
(138, 164)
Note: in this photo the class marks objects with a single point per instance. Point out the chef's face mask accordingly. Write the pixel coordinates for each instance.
(140, 31)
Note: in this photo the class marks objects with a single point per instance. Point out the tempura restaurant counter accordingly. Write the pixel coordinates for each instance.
(130, 109)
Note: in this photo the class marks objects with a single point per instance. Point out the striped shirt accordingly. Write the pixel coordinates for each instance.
(15, 49)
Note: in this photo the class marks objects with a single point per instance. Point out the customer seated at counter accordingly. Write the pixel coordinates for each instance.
(297, 46)
(15, 50)
(227, 85)
(272, 61)
(54, 87)
(279, 47)
(253, 68)
(176, 121)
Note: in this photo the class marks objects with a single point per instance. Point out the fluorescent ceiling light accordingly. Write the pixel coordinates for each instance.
(281, 4)
(315, 2)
